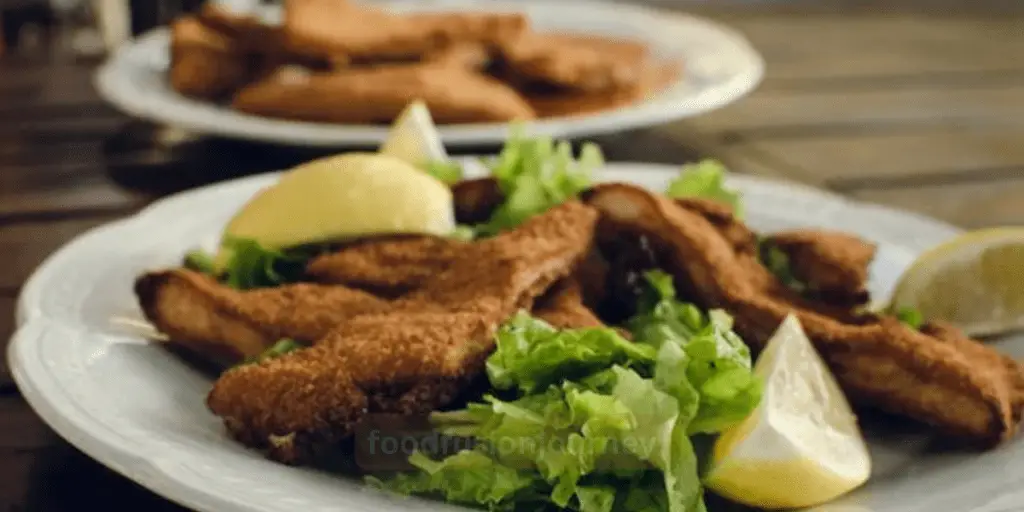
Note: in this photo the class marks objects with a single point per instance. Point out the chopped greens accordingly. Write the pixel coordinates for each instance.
(463, 232)
(200, 261)
(251, 265)
(910, 317)
(777, 262)
(705, 179)
(590, 421)
(282, 347)
(447, 171)
(535, 174)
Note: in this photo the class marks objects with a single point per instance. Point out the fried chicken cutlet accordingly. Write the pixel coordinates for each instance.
(936, 375)
(226, 326)
(577, 62)
(413, 359)
(389, 266)
(327, 27)
(833, 265)
(378, 95)
(205, 63)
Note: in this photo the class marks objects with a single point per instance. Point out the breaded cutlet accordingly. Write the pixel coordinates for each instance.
(327, 27)
(416, 358)
(834, 265)
(562, 307)
(577, 62)
(226, 326)
(387, 266)
(378, 95)
(936, 375)
(205, 63)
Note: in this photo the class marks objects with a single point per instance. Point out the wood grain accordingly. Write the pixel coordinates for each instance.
(25, 245)
(969, 205)
(831, 155)
(822, 47)
(7, 304)
(782, 113)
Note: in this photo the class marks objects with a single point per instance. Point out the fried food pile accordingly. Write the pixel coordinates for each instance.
(338, 62)
(404, 324)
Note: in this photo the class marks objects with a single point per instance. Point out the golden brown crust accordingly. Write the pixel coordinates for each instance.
(879, 361)
(228, 325)
(562, 307)
(406, 359)
(578, 62)
(378, 95)
(205, 63)
(389, 266)
(833, 264)
(325, 27)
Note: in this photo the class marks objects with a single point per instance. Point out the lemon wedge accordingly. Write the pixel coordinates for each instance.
(414, 137)
(801, 446)
(975, 281)
(344, 197)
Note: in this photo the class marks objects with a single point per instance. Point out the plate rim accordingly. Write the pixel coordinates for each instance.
(82, 432)
(115, 87)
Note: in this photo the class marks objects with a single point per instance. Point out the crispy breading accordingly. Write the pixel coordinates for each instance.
(834, 265)
(205, 63)
(562, 102)
(474, 56)
(576, 61)
(476, 200)
(325, 27)
(378, 95)
(389, 266)
(417, 357)
(225, 325)
(960, 386)
(562, 307)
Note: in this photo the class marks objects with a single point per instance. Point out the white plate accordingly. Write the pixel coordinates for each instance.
(720, 67)
(140, 411)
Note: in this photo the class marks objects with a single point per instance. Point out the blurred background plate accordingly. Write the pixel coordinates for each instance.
(720, 66)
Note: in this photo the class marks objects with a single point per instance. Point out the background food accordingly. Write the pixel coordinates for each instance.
(334, 61)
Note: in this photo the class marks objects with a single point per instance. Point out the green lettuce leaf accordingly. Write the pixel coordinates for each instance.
(447, 171)
(535, 174)
(531, 354)
(777, 262)
(278, 349)
(910, 317)
(705, 179)
(718, 366)
(468, 477)
(200, 261)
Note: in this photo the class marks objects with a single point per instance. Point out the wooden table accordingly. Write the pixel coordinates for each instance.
(880, 103)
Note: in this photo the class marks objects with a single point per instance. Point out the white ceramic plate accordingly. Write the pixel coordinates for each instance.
(720, 67)
(135, 408)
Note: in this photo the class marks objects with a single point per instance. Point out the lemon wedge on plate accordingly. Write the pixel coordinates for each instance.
(414, 137)
(344, 197)
(975, 281)
(802, 445)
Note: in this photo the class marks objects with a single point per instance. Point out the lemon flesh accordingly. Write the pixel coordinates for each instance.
(344, 197)
(414, 137)
(975, 281)
(802, 445)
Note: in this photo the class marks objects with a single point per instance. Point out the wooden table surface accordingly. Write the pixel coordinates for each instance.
(923, 111)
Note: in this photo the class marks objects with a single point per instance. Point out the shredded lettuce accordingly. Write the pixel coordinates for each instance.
(589, 421)
(278, 349)
(200, 261)
(717, 362)
(910, 317)
(251, 265)
(531, 354)
(447, 171)
(535, 174)
(705, 179)
(777, 262)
